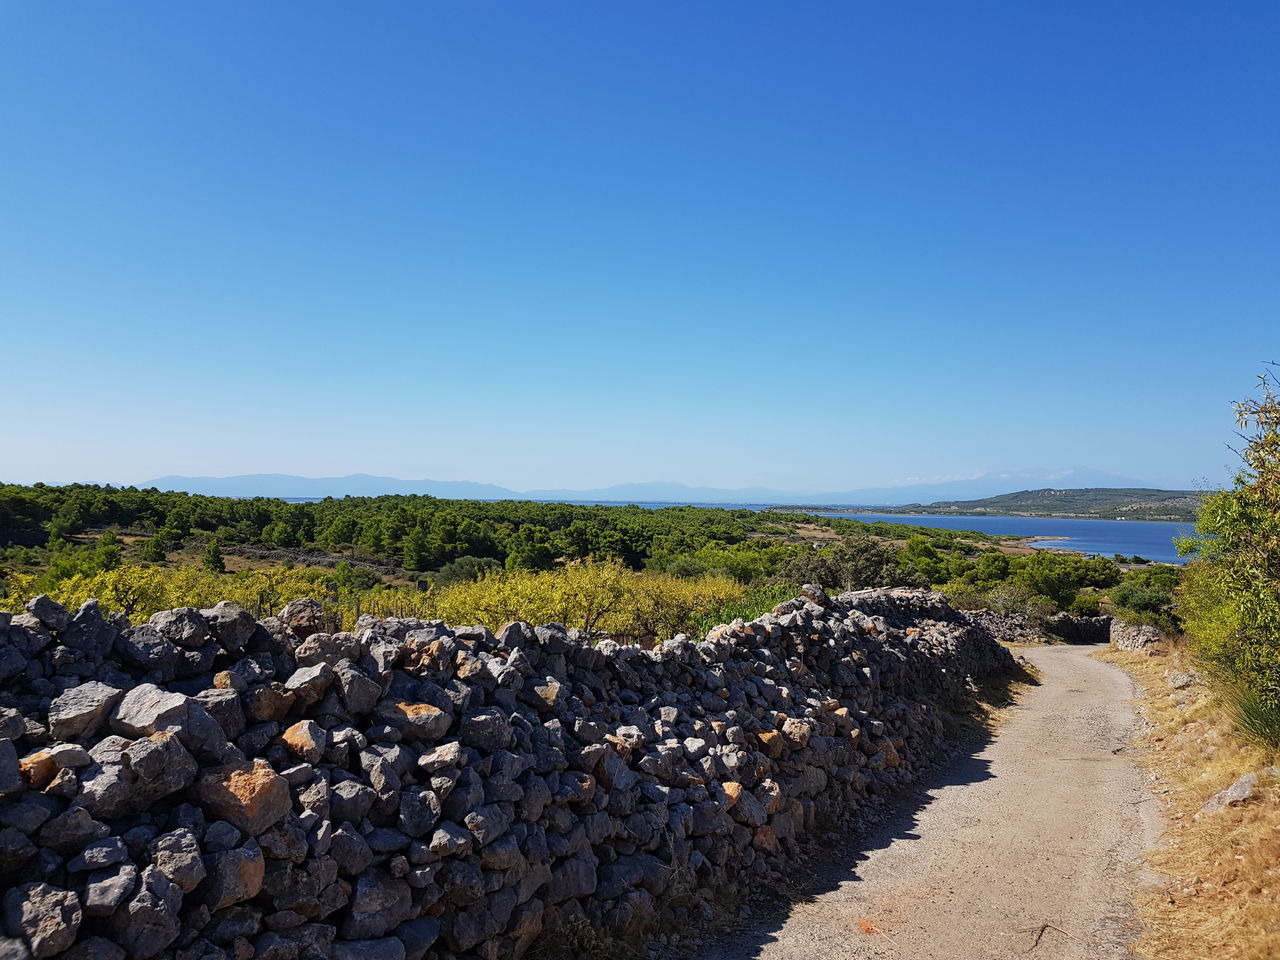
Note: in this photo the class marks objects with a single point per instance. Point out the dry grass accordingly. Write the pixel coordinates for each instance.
(1220, 897)
(993, 697)
(578, 939)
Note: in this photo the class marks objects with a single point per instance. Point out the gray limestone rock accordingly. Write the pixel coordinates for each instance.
(385, 948)
(81, 711)
(1239, 792)
(147, 709)
(148, 921)
(379, 904)
(451, 840)
(106, 889)
(230, 625)
(486, 730)
(10, 773)
(308, 684)
(70, 832)
(49, 612)
(99, 854)
(184, 626)
(350, 851)
(16, 850)
(46, 917)
(360, 694)
(232, 876)
(89, 631)
(145, 648)
(177, 855)
(95, 948)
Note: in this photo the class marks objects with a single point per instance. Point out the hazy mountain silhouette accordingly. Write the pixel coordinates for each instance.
(365, 485)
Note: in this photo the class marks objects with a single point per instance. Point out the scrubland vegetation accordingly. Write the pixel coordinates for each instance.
(617, 570)
(1219, 894)
(1229, 599)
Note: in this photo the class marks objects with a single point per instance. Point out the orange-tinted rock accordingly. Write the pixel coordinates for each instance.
(769, 794)
(268, 702)
(420, 721)
(306, 740)
(39, 768)
(470, 668)
(891, 758)
(796, 733)
(772, 744)
(249, 796)
(764, 840)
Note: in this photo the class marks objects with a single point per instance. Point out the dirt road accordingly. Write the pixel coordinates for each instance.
(1028, 848)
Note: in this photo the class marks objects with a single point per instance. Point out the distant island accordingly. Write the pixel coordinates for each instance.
(1095, 503)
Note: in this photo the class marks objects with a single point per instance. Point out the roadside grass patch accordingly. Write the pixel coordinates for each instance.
(1221, 870)
(994, 695)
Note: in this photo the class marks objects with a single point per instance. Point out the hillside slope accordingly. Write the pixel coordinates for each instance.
(1126, 503)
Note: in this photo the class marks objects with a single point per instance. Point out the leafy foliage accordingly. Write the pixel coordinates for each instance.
(213, 558)
(1146, 591)
(1033, 583)
(1230, 596)
(595, 597)
(484, 560)
(854, 563)
(422, 533)
(139, 591)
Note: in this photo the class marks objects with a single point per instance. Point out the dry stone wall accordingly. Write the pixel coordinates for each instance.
(1134, 637)
(204, 786)
(1063, 627)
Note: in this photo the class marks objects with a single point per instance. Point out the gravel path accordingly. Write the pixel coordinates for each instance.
(1028, 848)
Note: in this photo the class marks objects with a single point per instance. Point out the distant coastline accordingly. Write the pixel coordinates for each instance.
(1102, 536)
(1088, 503)
(855, 512)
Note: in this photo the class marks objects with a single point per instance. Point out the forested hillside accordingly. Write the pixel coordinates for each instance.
(1105, 503)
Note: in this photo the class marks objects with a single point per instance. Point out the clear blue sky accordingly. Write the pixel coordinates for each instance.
(805, 245)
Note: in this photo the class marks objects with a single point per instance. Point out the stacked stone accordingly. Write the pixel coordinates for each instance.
(1009, 627)
(1134, 637)
(205, 786)
(1075, 629)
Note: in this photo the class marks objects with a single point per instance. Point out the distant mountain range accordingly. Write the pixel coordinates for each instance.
(364, 485)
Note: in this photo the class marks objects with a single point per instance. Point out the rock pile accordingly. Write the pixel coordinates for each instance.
(205, 786)
(1062, 628)
(1076, 629)
(1009, 627)
(1134, 637)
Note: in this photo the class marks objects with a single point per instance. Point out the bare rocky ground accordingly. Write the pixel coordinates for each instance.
(1029, 847)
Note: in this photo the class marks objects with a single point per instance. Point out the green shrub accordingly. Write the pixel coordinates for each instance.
(1253, 712)
(1149, 590)
(1229, 599)
(1085, 605)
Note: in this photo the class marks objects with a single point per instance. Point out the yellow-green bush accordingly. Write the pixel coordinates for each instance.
(139, 591)
(600, 597)
(604, 597)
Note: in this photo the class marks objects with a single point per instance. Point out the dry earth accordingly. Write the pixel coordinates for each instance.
(1030, 847)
